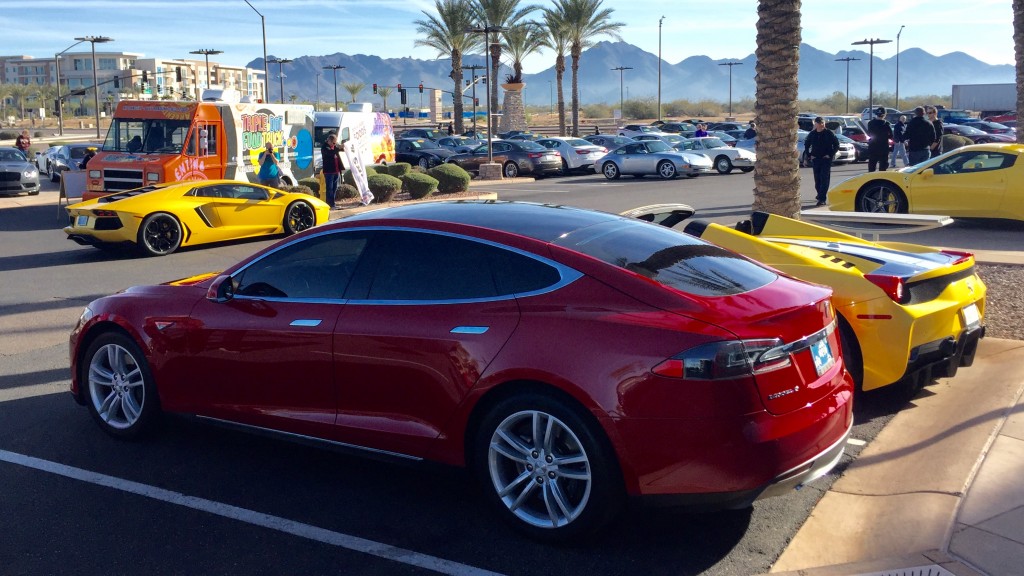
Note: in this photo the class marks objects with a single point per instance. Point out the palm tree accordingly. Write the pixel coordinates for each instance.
(20, 93)
(521, 41)
(557, 39)
(384, 92)
(1018, 49)
(777, 175)
(585, 20)
(498, 14)
(448, 34)
(354, 88)
(5, 93)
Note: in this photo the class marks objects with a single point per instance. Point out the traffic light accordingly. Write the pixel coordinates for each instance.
(421, 87)
(177, 73)
(159, 89)
(476, 101)
(145, 76)
(404, 99)
(399, 87)
(374, 87)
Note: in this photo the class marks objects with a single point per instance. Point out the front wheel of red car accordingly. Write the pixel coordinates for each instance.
(547, 468)
(119, 386)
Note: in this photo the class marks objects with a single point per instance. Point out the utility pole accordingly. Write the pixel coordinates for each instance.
(871, 69)
(621, 69)
(847, 60)
(730, 65)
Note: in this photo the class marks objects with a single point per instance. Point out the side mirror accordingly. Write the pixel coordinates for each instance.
(222, 289)
(927, 172)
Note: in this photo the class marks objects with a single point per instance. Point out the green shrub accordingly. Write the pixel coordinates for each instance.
(300, 189)
(311, 183)
(419, 185)
(347, 177)
(346, 191)
(384, 187)
(7, 135)
(450, 178)
(37, 134)
(399, 169)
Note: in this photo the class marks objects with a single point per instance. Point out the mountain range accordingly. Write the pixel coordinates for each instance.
(694, 78)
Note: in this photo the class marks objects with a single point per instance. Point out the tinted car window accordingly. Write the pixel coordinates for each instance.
(671, 258)
(437, 267)
(530, 146)
(319, 267)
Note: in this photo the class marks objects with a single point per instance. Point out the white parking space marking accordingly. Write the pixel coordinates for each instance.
(250, 517)
(856, 442)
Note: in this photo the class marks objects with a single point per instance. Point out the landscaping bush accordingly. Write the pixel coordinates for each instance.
(399, 169)
(384, 187)
(450, 178)
(348, 179)
(419, 185)
(8, 135)
(346, 191)
(300, 189)
(311, 183)
(37, 134)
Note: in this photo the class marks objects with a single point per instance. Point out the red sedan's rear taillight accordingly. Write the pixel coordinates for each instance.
(893, 286)
(722, 360)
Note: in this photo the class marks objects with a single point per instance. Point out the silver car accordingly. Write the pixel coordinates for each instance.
(653, 157)
(17, 173)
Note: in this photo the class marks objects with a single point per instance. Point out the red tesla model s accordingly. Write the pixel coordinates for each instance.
(571, 358)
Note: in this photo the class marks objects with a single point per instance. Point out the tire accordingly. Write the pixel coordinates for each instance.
(55, 176)
(118, 386)
(881, 197)
(667, 170)
(298, 217)
(510, 170)
(723, 165)
(506, 452)
(852, 356)
(423, 163)
(159, 235)
(565, 167)
(746, 170)
(610, 171)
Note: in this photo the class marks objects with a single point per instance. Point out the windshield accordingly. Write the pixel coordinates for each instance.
(578, 142)
(711, 142)
(969, 130)
(530, 146)
(424, 144)
(12, 155)
(146, 136)
(658, 146)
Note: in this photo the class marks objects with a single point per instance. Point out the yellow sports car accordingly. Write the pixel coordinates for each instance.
(159, 219)
(906, 312)
(979, 181)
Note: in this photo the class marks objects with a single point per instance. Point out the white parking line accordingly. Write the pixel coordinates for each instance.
(251, 517)
(856, 442)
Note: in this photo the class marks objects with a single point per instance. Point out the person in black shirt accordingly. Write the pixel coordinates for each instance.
(933, 117)
(751, 131)
(821, 146)
(880, 133)
(330, 152)
(920, 134)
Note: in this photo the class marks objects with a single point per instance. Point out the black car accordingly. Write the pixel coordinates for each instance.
(428, 133)
(609, 141)
(515, 156)
(421, 152)
(68, 157)
(684, 129)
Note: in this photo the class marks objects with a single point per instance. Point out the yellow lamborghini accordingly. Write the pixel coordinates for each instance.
(979, 181)
(161, 218)
(906, 312)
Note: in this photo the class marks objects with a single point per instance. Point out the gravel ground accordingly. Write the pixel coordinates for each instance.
(1004, 306)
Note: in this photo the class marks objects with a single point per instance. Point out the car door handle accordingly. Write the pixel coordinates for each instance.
(470, 329)
(306, 322)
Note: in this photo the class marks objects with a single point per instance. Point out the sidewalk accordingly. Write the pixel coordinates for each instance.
(938, 492)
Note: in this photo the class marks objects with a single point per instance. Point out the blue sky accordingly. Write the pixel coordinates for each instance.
(716, 28)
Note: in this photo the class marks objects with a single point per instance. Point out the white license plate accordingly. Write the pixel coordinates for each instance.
(549, 158)
(82, 221)
(822, 354)
(971, 316)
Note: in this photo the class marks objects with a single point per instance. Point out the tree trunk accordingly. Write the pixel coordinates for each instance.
(576, 51)
(495, 65)
(1018, 49)
(777, 173)
(559, 74)
(457, 104)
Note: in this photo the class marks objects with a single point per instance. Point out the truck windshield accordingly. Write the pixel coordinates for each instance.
(146, 136)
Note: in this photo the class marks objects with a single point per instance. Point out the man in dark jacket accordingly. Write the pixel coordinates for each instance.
(879, 133)
(920, 135)
(331, 155)
(821, 146)
(933, 117)
(899, 142)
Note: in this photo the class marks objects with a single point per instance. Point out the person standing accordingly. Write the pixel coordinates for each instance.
(331, 155)
(920, 134)
(270, 173)
(821, 146)
(451, 129)
(90, 152)
(23, 142)
(879, 133)
(899, 142)
(933, 117)
(702, 131)
(751, 131)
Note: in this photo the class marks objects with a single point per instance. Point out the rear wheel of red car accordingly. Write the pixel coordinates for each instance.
(881, 197)
(160, 234)
(298, 217)
(547, 468)
(119, 386)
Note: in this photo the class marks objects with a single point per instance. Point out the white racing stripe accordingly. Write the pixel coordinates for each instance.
(251, 517)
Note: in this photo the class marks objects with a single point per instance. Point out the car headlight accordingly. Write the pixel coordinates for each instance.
(87, 315)
(152, 176)
(94, 173)
(30, 173)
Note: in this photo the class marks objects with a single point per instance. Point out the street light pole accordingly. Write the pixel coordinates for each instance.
(847, 60)
(280, 72)
(335, 67)
(486, 30)
(898, 66)
(621, 69)
(60, 105)
(730, 65)
(266, 71)
(206, 52)
(871, 68)
(659, 66)
(316, 107)
(95, 85)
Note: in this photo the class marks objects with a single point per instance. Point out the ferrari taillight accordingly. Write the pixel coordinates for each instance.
(723, 360)
(893, 286)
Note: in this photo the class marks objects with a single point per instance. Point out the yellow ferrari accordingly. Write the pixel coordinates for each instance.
(906, 312)
(979, 181)
(161, 218)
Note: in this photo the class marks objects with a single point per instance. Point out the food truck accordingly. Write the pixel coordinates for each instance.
(370, 131)
(169, 141)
